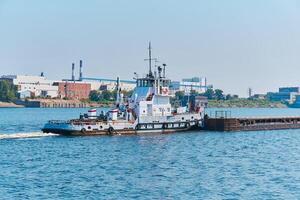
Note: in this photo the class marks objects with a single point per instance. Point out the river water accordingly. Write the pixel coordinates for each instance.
(193, 165)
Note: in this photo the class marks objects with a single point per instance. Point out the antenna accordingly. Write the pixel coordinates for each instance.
(150, 60)
(164, 70)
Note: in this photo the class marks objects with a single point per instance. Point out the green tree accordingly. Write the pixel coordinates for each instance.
(194, 92)
(127, 93)
(229, 97)
(179, 94)
(210, 93)
(7, 91)
(219, 94)
(94, 95)
(106, 95)
(235, 96)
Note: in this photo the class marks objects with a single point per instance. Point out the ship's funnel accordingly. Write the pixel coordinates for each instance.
(80, 70)
(92, 114)
(73, 73)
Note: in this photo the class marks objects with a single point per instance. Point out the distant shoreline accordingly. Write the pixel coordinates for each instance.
(245, 103)
(53, 103)
(237, 103)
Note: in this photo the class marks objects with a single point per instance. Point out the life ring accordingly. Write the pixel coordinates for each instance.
(165, 90)
(110, 130)
(83, 130)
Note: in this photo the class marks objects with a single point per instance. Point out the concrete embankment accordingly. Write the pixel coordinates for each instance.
(57, 103)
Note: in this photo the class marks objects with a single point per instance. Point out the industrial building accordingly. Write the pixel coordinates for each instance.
(285, 94)
(188, 84)
(73, 90)
(31, 86)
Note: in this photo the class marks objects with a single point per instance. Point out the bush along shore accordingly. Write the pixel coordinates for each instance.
(245, 103)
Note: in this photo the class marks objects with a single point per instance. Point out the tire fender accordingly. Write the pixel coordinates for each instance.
(110, 130)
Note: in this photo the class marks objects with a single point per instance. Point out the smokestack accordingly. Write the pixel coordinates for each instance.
(118, 90)
(80, 70)
(73, 73)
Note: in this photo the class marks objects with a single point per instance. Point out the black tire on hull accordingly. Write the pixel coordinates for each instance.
(164, 126)
(110, 130)
(187, 125)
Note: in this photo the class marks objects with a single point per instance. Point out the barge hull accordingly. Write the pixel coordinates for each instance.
(251, 124)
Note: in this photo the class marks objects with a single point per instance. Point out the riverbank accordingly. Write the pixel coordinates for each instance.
(53, 103)
(245, 103)
(9, 105)
(60, 103)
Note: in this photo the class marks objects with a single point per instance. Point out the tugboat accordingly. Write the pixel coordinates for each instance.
(148, 110)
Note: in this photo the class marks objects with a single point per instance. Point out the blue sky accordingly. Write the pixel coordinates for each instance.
(236, 44)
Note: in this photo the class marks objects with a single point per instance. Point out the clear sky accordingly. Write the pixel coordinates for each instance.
(236, 44)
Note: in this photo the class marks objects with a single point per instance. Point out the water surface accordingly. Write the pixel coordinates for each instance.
(194, 165)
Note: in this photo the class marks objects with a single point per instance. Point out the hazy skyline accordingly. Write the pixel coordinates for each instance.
(235, 44)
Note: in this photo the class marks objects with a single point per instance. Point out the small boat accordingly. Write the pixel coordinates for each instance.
(148, 110)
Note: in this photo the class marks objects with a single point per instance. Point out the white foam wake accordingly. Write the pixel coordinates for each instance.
(25, 135)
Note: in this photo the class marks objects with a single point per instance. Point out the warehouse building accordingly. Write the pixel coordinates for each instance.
(32, 86)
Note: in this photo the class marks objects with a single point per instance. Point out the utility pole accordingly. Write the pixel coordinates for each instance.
(250, 92)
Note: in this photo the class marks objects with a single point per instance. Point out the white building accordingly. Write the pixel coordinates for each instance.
(32, 85)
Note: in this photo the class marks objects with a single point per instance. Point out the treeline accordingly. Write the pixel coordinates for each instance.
(106, 95)
(8, 91)
(211, 94)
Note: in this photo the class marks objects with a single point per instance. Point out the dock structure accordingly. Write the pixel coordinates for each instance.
(228, 123)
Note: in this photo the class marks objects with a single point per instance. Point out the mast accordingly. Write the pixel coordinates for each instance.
(150, 59)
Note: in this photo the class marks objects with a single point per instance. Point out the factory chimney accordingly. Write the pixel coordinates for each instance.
(80, 70)
(73, 73)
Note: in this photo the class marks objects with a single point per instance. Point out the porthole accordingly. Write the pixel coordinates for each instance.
(182, 118)
(89, 127)
(192, 117)
(101, 127)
